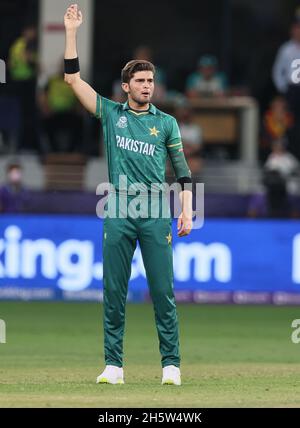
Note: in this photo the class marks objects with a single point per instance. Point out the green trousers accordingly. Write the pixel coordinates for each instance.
(120, 236)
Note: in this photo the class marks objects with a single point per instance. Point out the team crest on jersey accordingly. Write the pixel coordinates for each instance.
(122, 122)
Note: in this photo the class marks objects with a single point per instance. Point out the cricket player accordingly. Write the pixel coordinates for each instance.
(138, 138)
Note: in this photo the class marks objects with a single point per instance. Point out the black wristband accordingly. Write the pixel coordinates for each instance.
(182, 180)
(72, 66)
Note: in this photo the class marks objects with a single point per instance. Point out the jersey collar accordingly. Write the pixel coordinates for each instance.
(152, 108)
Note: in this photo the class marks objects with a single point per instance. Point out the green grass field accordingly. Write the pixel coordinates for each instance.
(232, 356)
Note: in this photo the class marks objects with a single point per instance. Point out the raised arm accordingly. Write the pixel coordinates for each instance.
(84, 92)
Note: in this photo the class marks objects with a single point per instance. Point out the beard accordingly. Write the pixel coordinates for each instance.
(139, 99)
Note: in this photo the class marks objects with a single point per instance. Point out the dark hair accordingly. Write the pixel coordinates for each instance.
(13, 165)
(133, 66)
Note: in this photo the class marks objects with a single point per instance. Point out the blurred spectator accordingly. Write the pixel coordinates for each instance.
(279, 168)
(283, 78)
(61, 115)
(281, 160)
(287, 53)
(277, 196)
(191, 135)
(23, 56)
(277, 123)
(206, 81)
(143, 53)
(22, 63)
(13, 196)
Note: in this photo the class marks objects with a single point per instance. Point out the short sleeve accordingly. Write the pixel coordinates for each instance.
(98, 113)
(104, 107)
(174, 136)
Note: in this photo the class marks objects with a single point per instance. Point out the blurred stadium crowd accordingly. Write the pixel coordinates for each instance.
(40, 116)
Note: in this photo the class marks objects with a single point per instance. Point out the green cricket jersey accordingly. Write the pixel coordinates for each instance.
(137, 143)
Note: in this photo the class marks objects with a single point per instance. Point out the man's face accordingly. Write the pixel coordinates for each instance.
(279, 107)
(208, 71)
(15, 176)
(140, 87)
(30, 33)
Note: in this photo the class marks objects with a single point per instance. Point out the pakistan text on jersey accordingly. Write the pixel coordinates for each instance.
(135, 146)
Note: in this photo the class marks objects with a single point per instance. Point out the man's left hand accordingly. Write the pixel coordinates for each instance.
(184, 224)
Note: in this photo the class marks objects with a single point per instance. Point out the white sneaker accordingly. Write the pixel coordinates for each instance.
(111, 374)
(171, 376)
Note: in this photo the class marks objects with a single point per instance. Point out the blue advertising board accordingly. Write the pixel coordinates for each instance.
(239, 261)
